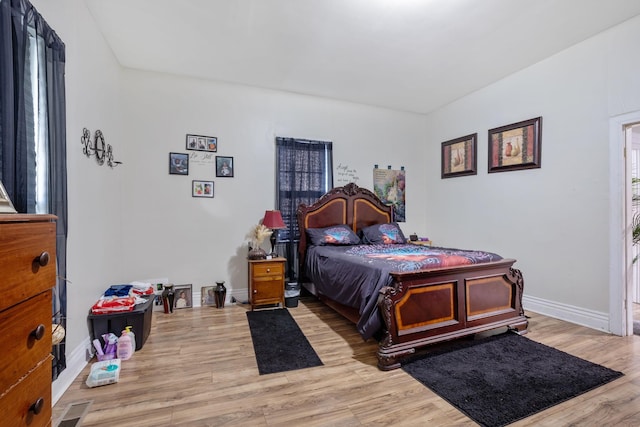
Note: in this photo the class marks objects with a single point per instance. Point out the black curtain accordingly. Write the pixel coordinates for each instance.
(33, 130)
(304, 173)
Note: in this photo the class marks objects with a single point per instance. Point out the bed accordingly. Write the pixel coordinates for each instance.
(404, 295)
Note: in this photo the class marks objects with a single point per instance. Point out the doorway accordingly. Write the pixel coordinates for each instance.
(632, 142)
(621, 265)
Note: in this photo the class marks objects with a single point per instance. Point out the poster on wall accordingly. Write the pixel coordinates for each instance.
(389, 186)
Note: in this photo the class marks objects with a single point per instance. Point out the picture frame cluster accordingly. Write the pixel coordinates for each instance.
(516, 146)
(200, 147)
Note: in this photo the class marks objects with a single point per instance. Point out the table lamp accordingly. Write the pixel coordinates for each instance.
(273, 220)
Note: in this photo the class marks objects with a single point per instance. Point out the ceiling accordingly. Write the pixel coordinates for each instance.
(408, 55)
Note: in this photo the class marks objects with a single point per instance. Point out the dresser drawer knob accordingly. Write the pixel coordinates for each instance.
(38, 332)
(37, 406)
(43, 259)
(268, 270)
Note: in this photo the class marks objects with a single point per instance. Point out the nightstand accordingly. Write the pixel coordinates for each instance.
(266, 282)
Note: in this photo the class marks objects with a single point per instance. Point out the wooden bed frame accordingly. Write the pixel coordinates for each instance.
(421, 307)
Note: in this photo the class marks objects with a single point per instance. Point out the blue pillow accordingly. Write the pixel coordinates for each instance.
(334, 235)
(388, 234)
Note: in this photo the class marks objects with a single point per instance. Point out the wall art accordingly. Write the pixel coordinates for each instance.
(202, 143)
(516, 146)
(459, 156)
(224, 167)
(178, 164)
(201, 188)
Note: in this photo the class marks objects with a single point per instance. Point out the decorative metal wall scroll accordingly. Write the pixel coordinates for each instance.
(98, 148)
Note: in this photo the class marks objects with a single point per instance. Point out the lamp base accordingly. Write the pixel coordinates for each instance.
(273, 239)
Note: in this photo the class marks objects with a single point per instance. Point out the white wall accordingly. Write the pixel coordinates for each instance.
(553, 220)
(94, 192)
(168, 233)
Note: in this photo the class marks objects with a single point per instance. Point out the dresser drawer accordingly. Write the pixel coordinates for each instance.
(24, 247)
(21, 350)
(268, 269)
(34, 390)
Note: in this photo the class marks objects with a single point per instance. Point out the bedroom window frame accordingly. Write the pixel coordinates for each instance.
(304, 172)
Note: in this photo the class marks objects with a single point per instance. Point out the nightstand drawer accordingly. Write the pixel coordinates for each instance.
(264, 288)
(268, 269)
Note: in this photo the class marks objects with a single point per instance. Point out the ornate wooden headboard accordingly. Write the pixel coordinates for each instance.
(352, 205)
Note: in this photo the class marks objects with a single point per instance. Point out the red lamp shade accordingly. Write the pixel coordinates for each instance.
(273, 220)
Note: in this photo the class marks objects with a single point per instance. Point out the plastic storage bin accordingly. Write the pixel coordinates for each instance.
(291, 294)
(139, 319)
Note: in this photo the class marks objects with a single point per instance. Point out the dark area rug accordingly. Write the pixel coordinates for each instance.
(278, 342)
(501, 379)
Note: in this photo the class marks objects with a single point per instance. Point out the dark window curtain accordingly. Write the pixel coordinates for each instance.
(33, 130)
(304, 173)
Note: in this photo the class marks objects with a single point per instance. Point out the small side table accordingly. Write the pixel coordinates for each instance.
(266, 281)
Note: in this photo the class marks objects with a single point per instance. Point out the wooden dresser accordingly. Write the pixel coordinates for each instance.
(27, 275)
(266, 282)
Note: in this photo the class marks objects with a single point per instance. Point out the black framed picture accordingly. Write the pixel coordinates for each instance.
(202, 143)
(224, 167)
(178, 164)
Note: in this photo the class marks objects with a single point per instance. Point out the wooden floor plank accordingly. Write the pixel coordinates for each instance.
(198, 368)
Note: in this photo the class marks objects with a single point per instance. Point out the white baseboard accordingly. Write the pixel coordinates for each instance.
(578, 315)
(76, 362)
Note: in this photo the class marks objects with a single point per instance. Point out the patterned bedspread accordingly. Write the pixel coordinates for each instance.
(354, 275)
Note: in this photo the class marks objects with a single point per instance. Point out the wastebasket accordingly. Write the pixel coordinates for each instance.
(291, 294)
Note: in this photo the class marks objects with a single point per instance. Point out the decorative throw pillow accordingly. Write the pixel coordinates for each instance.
(389, 233)
(334, 235)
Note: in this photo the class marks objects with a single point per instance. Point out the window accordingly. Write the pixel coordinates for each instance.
(304, 173)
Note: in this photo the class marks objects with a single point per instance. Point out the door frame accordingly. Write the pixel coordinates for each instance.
(620, 254)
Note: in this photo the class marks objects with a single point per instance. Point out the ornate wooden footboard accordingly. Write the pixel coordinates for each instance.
(423, 307)
(427, 307)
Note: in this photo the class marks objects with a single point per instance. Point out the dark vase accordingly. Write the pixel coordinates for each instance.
(257, 253)
(221, 294)
(168, 296)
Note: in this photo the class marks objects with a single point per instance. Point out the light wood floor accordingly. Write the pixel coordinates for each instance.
(198, 369)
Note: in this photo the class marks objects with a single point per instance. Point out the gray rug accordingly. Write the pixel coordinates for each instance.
(501, 379)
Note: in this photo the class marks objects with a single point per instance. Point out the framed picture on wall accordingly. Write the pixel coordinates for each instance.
(5, 203)
(178, 164)
(202, 143)
(202, 188)
(224, 167)
(459, 156)
(515, 146)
